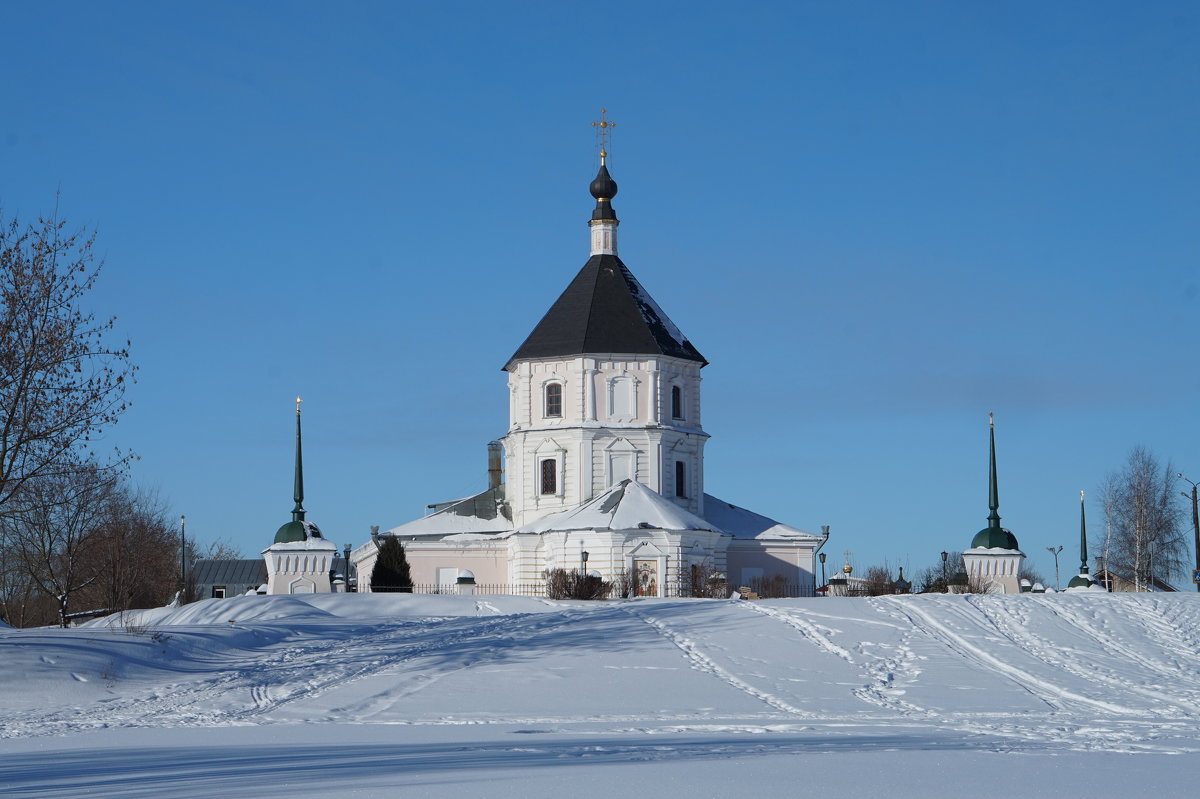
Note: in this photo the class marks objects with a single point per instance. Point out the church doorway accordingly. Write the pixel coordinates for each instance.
(647, 577)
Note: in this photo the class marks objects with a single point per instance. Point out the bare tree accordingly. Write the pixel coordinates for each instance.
(878, 581)
(222, 550)
(1144, 537)
(53, 523)
(702, 580)
(575, 584)
(61, 382)
(135, 553)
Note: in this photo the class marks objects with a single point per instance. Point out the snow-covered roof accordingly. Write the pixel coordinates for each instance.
(628, 505)
(307, 545)
(475, 514)
(742, 523)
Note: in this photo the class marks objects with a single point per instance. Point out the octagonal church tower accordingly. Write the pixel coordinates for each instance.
(605, 388)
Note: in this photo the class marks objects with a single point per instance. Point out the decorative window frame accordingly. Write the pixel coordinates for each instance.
(678, 402)
(553, 379)
(617, 383)
(550, 450)
(620, 448)
(689, 455)
(681, 485)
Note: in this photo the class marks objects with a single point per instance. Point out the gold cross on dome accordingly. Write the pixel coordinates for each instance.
(603, 130)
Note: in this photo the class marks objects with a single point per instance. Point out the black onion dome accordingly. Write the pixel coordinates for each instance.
(603, 187)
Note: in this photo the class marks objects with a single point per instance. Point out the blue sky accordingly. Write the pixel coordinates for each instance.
(877, 220)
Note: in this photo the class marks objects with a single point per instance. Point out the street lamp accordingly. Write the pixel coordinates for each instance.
(1054, 551)
(1195, 525)
(583, 559)
(822, 558)
(945, 586)
(182, 558)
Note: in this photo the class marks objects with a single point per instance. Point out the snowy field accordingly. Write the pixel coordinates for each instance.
(398, 695)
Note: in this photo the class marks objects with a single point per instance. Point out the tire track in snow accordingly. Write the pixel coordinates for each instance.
(880, 674)
(704, 663)
(1053, 695)
(1177, 635)
(500, 630)
(1177, 700)
(321, 663)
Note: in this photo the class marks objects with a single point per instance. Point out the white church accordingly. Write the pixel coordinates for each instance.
(602, 470)
(602, 467)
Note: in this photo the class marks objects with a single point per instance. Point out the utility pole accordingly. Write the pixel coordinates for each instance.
(1195, 522)
(1054, 551)
(182, 558)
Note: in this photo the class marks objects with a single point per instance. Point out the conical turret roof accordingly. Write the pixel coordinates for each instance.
(605, 310)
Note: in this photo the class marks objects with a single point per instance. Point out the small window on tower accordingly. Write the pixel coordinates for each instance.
(676, 402)
(680, 479)
(218, 592)
(554, 399)
(549, 476)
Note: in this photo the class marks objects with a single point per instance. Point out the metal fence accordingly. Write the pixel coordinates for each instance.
(500, 589)
(765, 588)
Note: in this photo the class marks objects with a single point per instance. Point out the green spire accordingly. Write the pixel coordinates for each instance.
(1083, 579)
(993, 536)
(298, 492)
(1083, 567)
(993, 489)
(297, 529)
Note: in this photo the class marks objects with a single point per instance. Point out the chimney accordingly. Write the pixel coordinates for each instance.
(495, 470)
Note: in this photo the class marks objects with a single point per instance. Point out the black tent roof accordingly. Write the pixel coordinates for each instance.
(605, 310)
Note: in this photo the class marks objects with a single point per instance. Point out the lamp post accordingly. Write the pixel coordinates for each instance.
(945, 585)
(1195, 522)
(1054, 551)
(182, 558)
(583, 559)
(822, 558)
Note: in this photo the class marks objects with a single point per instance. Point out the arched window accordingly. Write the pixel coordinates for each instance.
(549, 476)
(676, 402)
(554, 399)
(680, 479)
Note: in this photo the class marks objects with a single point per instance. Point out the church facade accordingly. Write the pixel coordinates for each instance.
(603, 459)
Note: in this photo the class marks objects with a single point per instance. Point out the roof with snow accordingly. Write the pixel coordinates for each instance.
(628, 505)
(605, 310)
(742, 523)
(479, 513)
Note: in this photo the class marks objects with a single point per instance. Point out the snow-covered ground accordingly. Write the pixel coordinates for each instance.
(976, 696)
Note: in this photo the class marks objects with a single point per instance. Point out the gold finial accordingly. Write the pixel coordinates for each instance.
(298, 401)
(603, 126)
(1081, 496)
(991, 420)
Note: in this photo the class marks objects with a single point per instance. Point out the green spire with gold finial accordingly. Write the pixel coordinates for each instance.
(297, 529)
(993, 489)
(1083, 579)
(1083, 567)
(993, 536)
(298, 492)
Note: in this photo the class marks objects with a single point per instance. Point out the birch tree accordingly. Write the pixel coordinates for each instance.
(1143, 537)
